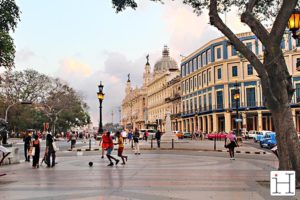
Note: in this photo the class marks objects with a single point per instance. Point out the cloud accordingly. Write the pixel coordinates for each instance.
(24, 55)
(73, 67)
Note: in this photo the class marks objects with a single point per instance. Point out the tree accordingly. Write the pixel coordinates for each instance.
(9, 16)
(275, 79)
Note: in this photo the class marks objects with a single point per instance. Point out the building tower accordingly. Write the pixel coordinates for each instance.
(128, 86)
(147, 72)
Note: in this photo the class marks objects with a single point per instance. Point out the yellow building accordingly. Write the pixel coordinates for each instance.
(146, 107)
(217, 81)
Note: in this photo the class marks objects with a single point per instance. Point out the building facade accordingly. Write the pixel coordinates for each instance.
(146, 107)
(217, 81)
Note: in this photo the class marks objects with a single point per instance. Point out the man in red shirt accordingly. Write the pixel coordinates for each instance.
(109, 150)
(104, 143)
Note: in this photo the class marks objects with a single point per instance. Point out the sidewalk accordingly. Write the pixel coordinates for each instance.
(160, 176)
(190, 145)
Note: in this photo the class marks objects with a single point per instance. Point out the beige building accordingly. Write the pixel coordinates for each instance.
(146, 107)
(215, 75)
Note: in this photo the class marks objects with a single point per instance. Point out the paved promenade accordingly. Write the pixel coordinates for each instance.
(153, 175)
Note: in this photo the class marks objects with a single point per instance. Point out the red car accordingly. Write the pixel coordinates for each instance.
(216, 135)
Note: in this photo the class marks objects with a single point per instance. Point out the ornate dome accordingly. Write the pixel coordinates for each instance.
(166, 62)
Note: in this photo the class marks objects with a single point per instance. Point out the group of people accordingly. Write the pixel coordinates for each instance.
(107, 145)
(32, 147)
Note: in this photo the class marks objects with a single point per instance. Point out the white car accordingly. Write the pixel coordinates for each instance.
(252, 134)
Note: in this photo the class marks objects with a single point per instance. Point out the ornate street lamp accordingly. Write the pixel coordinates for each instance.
(294, 23)
(236, 97)
(100, 95)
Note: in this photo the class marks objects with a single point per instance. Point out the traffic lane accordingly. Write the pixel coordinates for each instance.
(256, 145)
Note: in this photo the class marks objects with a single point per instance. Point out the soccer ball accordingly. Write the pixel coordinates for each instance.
(91, 164)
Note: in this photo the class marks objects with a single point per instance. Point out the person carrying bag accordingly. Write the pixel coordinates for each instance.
(232, 143)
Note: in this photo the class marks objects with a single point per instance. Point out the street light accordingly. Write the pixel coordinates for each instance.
(294, 23)
(100, 96)
(236, 97)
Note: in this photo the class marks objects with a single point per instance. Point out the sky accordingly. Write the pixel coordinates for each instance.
(84, 42)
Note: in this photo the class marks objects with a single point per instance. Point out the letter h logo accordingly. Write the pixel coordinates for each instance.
(282, 183)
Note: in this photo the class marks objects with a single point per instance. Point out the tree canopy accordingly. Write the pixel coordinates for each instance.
(9, 17)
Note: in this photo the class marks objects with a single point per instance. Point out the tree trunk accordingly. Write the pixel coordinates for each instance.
(279, 86)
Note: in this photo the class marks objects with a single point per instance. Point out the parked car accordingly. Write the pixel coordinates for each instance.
(260, 135)
(269, 140)
(220, 135)
(187, 135)
(150, 131)
(252, 133)
(179, 134)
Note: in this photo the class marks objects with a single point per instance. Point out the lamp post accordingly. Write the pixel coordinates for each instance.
(100, 96)
(236, 97)
(294, 23)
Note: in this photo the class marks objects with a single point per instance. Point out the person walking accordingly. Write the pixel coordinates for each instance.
(121, 147)
(73, 139)
(50, 150)
(136, 137)
(27, 141)
(104, 143)
(157, 137)
(124, 135)
(37, 149)
(232, 143)
(110, 149)
(146, 135)
(130, 137)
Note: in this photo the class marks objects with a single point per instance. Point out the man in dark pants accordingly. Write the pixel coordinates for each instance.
(50, 150)
(157, 137)
(27, 141)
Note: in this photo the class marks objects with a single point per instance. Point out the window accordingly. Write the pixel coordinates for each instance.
(250, 97)
(182, 71)
(209, 102)
(297, 42)
(298, 92)
(204, 78)
(200, 103)
(208, 56)
(204, 59)
(195, 63)
(234, 71)
(219, 56)
(195, 103)
(199, 80)
(250, 69)
(191, 84)
(233, 51)
(191, 66)
(182, 85)
(187, 68)
(187, 106)
(195, 82)
(208, 76)
(191, 105)
(204, 102)
(233, 101)
(219, 73)
(199, 62)
(187, 89)
(249, 45)
(183, 106)
(219, 99)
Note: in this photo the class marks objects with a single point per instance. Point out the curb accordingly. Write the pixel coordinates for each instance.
(180, 149)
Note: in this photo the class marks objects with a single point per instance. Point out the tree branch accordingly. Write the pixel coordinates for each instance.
(256, 27)
(281, 21)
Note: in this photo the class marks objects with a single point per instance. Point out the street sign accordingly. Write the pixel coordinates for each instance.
(238, 120)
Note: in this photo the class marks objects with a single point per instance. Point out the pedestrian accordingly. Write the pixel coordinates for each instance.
(121, 147)
(104, 143)
(124, 135)
(136, 137)
(27, 142)
(37, 149)
(73, 139)
(110, 149)
(232, 143)
(146, 135)
(157, 137)
(50, 150)
(130, 136)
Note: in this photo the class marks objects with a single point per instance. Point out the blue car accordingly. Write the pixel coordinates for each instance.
(269, 140)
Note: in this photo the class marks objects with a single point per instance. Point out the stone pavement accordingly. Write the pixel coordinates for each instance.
(153, 175)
